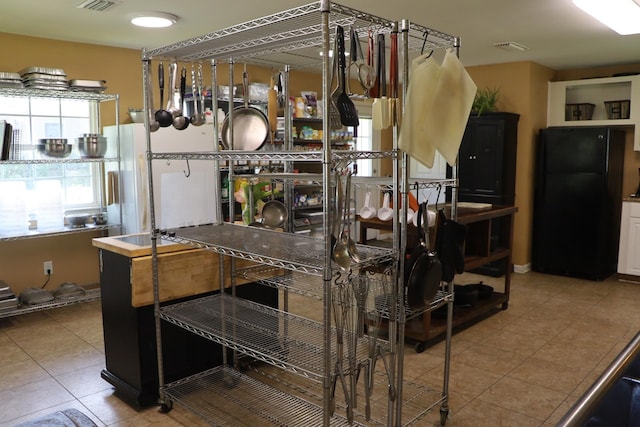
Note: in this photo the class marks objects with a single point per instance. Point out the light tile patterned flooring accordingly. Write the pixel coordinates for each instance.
(524, 366)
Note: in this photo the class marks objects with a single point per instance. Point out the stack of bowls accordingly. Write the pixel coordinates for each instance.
(92, 146)
(54, 147)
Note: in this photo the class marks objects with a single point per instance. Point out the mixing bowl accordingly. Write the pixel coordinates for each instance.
(137, 116)
(92, 146)
(54, 147)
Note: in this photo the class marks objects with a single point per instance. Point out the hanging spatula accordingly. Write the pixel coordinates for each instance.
(348, 111)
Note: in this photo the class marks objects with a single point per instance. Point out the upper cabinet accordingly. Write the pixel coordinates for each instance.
(607, 96)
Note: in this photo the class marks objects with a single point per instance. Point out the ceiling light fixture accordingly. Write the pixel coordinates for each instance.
(622, 16)
(154, 19)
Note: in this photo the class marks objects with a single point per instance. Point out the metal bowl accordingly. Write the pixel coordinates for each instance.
(76, 220)
(54, 147)
(92, 146)
(137, 116)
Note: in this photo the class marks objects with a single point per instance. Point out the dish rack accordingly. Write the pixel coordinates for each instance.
(281, 368)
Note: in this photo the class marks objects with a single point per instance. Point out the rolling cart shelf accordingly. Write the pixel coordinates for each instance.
(270, 247)
(228, 398)
(319, 353)
(282, 339)
(461, 317)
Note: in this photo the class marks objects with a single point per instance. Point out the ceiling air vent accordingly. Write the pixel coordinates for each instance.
(511, 46)
(97, 5)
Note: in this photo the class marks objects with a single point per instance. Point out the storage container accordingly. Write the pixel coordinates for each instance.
(582, 111)
(617, 109)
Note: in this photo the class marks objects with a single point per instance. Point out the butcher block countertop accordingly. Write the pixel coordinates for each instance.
(182, 270)
(136, 245)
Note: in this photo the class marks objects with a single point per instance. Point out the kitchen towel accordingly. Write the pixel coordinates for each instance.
(454, 96)
(424, 76)
(439, 99)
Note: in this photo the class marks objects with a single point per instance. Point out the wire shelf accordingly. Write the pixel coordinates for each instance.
(291, 37)
(299, 283)
(256, 156)
(418, 399)
(282, 339)
(284, 250)
(89, 296)
(226, 397)
(66, 94)
(54, 160)
(33, 234)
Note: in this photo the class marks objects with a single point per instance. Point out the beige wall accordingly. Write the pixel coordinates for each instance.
(523, 89)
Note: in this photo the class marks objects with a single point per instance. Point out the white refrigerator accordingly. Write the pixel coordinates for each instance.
(183, 190)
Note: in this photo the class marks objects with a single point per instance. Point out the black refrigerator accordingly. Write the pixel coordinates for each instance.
(577, 201)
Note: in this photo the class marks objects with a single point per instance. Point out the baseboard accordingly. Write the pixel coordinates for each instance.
(522, 268)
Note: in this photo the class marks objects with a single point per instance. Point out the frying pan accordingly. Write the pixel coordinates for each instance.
(250, 125)
(423, 271)
(274, 214)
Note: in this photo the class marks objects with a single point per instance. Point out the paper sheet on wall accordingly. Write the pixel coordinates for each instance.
(186, 201)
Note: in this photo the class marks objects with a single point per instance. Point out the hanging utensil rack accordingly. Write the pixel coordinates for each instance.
(298, 346)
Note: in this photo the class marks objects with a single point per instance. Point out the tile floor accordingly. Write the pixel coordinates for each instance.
(524, 366)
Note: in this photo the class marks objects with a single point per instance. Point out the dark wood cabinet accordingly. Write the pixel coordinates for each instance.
(487, 159)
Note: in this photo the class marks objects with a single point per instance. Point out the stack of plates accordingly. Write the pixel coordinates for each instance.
(10, 80)
(94, 86)
(44, 78)
(8, 300)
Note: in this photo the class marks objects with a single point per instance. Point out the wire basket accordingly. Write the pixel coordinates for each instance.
(617, 109)
(583, 111)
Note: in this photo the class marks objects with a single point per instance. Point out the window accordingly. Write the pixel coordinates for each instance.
(34, 118)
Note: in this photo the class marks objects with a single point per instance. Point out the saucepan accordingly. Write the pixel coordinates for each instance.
(250, 125)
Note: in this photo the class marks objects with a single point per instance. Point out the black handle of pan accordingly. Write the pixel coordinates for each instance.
(161, 83)
(341, 57)
(382, 64)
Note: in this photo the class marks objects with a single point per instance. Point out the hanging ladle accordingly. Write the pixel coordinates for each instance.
(163, 117)
(341, 248)
(172, 108)
(181, 122)
(198, 118)
(351, 245)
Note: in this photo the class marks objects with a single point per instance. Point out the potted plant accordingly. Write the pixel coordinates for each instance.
(485, 100)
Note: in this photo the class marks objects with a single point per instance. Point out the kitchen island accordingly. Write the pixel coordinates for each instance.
(127, 312)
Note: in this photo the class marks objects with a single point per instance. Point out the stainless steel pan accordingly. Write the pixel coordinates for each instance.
(250, 125)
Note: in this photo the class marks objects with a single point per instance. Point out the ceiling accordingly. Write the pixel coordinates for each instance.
(558, 34)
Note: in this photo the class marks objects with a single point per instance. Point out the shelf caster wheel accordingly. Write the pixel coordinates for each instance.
(420, 347)
(505, 305)
(166, 407)
(444, 414)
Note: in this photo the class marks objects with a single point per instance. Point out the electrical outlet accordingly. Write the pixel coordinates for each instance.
(48, 268)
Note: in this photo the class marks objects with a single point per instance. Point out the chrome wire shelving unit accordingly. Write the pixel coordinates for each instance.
(91, 294)
(336, 356)
(112, 158)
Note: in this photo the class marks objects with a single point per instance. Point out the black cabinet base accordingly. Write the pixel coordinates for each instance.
(128, 393)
